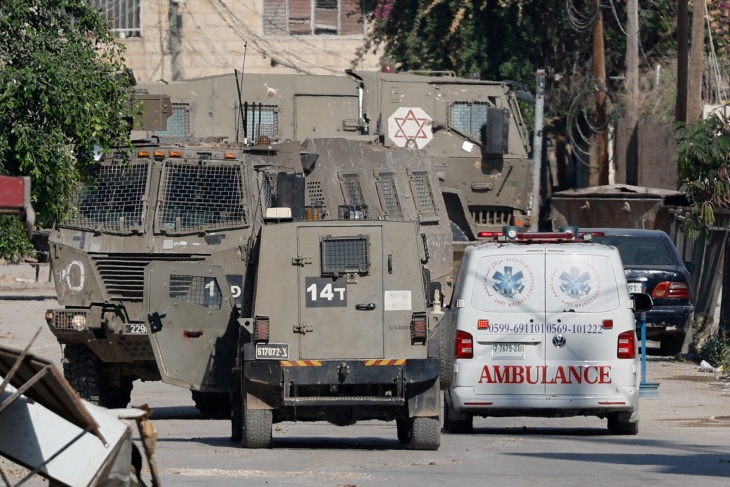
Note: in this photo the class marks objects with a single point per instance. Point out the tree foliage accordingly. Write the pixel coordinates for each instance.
(62, 90)
(512, 39)
(703, 152)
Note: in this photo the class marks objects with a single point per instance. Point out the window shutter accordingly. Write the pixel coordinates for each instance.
(300, 17)
(275, 17)
(351, 20)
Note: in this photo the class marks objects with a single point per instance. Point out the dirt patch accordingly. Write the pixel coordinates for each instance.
(711, 422)
(693, 378)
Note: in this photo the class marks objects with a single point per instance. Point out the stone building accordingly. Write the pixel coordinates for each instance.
(184, 39)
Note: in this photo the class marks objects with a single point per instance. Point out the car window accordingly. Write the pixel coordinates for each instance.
(640, 250)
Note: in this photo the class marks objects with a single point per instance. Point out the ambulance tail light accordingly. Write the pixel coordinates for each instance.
(261, 329)
(667, 289)
(627, 344)
(464, 345)
(419, 330)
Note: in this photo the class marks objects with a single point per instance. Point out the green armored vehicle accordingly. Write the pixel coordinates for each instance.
(204, 204)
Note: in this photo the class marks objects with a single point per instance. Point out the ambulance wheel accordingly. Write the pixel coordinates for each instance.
(624, 423)
(446, 339)
(87, 375)
(257, 428)
(463, 425)
(425, 433)
(403, 426)
(212, 403)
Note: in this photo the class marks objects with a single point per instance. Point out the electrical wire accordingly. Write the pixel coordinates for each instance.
(579, 21)
(714, 64)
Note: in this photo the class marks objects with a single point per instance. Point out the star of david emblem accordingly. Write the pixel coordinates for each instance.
(508, 284)
(411, 127)
(575, 284)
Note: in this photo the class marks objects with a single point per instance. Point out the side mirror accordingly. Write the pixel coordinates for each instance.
(642, 302)
(690, 266)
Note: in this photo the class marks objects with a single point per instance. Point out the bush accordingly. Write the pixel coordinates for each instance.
(716, 351)
(14, 243)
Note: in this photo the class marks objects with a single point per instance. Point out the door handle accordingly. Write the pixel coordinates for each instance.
(365, 306)
(155, 320)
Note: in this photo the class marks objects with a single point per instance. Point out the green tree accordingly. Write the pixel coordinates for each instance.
(62, 91)
(703, 152)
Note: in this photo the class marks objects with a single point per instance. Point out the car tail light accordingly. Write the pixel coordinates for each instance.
(261, 329)
(419, 330)
(627, 345)
(464, 345)
(668, 289)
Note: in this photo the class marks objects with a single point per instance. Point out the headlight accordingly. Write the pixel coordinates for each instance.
(79, 322)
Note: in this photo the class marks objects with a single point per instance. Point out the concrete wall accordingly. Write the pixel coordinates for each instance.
(211, 40)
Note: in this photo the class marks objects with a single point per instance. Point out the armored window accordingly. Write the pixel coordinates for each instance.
(123, 16)
(199, 290)
(261, 122)
(341, 255)
(198, 196)
(388, 193)
(313, 17)
(178, 125)
(423, 196)
(469, 118)
(352, 191)
(114, 203)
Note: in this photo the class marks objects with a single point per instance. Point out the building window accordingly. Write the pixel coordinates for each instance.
(123, 16)
(178, 125)
(313, 17)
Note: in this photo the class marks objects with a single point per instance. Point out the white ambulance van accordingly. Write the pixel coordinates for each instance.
(544, 327)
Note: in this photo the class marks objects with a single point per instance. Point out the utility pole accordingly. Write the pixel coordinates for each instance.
(600, 177)
(174, 42)
(534, 206)
(632, 93)
(696, 62)
(682, 55)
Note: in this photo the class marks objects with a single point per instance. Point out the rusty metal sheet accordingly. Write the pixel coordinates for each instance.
(51, 390)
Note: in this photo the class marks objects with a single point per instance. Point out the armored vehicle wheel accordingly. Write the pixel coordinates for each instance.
(257, 428)
(85, 372)
(425, 433)
(445, 334)
(212, 403)
(403, 426)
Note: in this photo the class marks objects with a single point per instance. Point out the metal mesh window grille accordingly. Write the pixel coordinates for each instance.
(199, 290)
(341, 255)
(124, 16)
(115, 203)
(315, 195)
(268, 190)
(201, 197)
(389, 194)
(178, 125)
(262, 121)
(421, 187)
(468, 117)
(352, 190)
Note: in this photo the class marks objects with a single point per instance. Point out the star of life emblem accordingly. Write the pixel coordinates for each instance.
(575, 284)
(508, 284)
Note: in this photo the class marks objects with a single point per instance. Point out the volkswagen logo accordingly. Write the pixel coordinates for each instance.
(559, 341)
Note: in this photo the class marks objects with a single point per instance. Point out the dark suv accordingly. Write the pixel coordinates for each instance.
(653, 265)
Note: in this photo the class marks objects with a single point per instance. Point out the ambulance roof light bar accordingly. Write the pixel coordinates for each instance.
(516, 234)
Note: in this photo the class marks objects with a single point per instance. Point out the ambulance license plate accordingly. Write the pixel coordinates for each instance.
(508, 350)
(636, 287)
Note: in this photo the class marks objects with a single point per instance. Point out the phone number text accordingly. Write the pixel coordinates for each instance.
(589, 329)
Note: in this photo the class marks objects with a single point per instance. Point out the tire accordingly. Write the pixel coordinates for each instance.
(455, 423)
(425, 433)
(624, 423)
(671, 344)
(212, 403)
(403, 426)
(257, 428)
(85, 372)
(446, 339)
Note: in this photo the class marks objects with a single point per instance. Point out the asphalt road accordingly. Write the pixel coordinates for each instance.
(684, 438)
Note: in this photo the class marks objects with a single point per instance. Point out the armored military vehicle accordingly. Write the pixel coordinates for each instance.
(203, 202)
(472, 129)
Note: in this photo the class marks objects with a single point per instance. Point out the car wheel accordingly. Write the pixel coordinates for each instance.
(624, 423)
(671, 344)
(425, 433)
(257, 428)
(446, 337)
(86, 374)
(457, 423)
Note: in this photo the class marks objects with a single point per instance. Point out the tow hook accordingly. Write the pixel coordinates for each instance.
(342, 371)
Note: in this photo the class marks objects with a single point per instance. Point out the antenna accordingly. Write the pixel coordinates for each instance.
(239, 87)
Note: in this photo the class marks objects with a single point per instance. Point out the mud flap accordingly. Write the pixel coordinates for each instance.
(191, 320)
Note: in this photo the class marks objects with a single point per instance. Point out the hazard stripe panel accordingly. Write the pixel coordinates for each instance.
(301, 363)
(399, 361)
